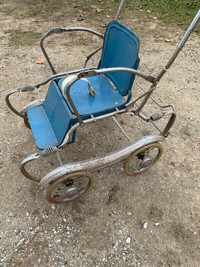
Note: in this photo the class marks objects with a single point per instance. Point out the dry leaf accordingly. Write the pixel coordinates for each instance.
(98, 10)
(40, 61)
(107, 16)
(168, 40)
(103, 25)
(148, 11)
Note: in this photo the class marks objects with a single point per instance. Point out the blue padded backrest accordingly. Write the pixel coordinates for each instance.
(120, 49)
(57, 111)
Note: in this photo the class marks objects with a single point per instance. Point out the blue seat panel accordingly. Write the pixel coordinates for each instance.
(57, 111)
(41, 128)
(105, 98)
(120, 49)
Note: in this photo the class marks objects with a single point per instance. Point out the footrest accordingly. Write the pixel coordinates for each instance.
(41, 128)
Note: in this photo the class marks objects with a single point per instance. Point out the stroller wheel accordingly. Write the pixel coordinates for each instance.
(69, 187)
(143, 159)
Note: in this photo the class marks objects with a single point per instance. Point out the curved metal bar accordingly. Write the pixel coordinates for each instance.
(154, 100)
(95, 164)
(91, 55)
(35, 103)
(11, 107)
(143, 75)
(61, 30)
(74, 127)
(23, 170)
(76, 78)
(165, 132)
(59, 75)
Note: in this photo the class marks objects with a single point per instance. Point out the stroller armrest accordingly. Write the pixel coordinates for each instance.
(90, 73)
(7, 99)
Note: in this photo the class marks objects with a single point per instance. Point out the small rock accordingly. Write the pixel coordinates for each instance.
(53, 206)
(129, 213)
(145, 225)
(10, 214)
(16, 231)
(37, 229)
(20, 242)
(156, 224)
(128, 240)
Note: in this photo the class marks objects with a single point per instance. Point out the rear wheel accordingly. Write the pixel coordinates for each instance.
(143, 159)
(69, 187)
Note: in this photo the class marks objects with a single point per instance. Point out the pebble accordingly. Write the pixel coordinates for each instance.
(145, 225)
(10, 214)
(37, 229)
(129, 213)
(156, 224)
(53, 206)
(21, 242)
(16, 231)
(128, 240)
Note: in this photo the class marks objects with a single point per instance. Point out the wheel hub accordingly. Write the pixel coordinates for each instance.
(71, 192)
(146, 162)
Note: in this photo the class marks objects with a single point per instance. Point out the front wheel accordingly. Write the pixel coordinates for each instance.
(143, 159)
(69, 188)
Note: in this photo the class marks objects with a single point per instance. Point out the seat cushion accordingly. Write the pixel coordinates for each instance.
(106, 98)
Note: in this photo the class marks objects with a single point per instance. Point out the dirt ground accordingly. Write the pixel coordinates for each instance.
(147, 220)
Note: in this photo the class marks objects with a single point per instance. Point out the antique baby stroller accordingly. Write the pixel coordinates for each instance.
(80, 97)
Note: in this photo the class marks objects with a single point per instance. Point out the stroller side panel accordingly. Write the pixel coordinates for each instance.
(41, 128)
(50, 121)
(57, 111)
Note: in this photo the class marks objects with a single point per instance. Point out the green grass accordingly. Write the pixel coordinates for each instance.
(23, 38)
(179, 12)
(169, 12)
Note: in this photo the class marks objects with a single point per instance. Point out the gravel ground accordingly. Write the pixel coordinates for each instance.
(148, 220)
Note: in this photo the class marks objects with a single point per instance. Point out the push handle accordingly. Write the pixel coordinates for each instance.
(119, 9)
(189, 30)
(178, 49)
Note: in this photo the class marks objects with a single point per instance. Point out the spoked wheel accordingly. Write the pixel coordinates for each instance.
(69, 187)
(26, 122)
(143, 159)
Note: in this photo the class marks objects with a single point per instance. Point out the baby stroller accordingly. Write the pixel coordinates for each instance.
(81, 97)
